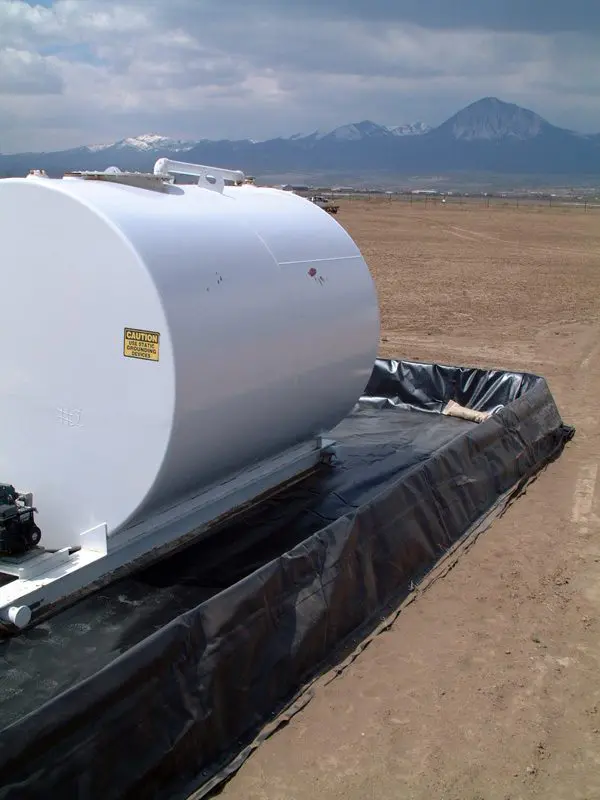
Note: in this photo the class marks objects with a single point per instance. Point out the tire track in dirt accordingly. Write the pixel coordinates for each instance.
(457, 230)
(584, 493)
(470, 235)
(583, 496)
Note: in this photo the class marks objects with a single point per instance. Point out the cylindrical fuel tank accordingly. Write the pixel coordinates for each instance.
(155, 342)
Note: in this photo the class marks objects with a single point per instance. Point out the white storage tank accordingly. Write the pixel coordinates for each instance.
(155, 341)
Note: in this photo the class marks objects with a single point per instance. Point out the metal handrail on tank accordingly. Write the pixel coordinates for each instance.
(166, 166)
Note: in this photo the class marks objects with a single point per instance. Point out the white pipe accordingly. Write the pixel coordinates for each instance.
(165, 166)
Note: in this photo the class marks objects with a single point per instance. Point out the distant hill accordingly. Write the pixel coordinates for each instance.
(486, 136)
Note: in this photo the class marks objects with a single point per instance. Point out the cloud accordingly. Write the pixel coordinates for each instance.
(106, 69)
(23, 72)
(529, 16)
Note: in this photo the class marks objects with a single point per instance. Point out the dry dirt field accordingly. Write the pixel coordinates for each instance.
(488, 686)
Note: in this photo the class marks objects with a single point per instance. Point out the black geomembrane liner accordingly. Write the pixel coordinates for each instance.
(147, 687)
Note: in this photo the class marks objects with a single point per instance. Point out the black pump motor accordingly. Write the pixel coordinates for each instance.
(18, 531)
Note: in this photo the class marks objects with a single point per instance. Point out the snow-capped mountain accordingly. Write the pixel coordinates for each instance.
(487, 136)
(151, 142)
(147, 142)
(355, 132)
(491, 119)
(412, 129)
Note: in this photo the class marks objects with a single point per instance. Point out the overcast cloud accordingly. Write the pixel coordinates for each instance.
(86, 71)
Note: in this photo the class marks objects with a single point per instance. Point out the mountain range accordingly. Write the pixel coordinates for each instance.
(487, 136)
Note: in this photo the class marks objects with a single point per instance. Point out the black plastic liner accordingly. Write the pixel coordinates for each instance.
(149, 687)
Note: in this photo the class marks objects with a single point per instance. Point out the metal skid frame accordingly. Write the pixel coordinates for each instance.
(42, 581)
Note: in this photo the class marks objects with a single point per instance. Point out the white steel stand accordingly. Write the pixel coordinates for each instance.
(40, 581)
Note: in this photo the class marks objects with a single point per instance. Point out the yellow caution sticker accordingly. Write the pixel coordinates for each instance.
(141, 344)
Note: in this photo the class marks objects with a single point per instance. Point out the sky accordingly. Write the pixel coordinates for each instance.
(76, 72)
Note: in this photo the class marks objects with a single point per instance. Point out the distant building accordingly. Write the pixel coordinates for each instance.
(288, 187)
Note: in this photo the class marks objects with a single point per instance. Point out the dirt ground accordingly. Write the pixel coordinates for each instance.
(488, 686)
